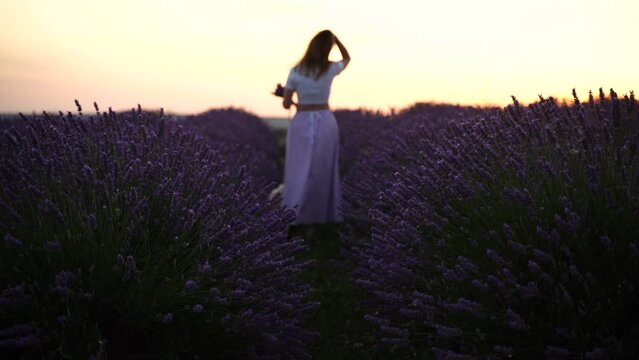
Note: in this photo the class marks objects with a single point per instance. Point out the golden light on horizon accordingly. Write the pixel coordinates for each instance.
(189, 56)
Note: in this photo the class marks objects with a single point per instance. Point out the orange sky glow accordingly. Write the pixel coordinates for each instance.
(188, 56)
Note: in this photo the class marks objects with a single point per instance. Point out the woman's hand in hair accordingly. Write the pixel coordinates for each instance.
(346, 58)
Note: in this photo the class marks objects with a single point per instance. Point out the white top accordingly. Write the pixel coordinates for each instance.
(311, 90)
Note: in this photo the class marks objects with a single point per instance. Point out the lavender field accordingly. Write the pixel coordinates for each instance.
(470, 233)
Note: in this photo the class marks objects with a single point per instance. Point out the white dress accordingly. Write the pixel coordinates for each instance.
(311, 171)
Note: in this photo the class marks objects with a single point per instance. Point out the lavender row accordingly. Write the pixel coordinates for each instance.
(507, 234)
(252, 139)
(125, 234)
(374, 145)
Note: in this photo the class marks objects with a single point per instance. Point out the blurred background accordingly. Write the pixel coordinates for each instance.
(189, 56)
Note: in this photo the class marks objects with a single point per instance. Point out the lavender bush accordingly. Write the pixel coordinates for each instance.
(373, 146)
(359, 131)
(11, 121)
(248, 136)
(511, 234)
(125, 235)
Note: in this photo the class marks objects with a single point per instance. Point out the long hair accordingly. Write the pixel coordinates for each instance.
(315, 61)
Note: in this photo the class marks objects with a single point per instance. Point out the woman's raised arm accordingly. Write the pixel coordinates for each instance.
(346, 58)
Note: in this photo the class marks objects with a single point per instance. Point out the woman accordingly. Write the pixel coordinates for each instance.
(311, 172)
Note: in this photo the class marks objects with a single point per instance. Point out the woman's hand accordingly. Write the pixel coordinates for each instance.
(346, 58)
(288, 98)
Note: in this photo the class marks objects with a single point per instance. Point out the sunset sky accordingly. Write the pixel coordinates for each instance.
(188, 56)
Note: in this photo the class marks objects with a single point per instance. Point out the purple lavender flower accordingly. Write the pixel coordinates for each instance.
(191, 286)
(534, 267)
(20, 342)
(465, 305)
(518, 247)
(52, 246)
(18, 329)
(62, 282)
(553, 352)
(12, 242)
(441, 354)
(529, 291)
(87, 172)
(542, 256)
(466, 265)
(206, 268)
(447, 332)
(482, 286)
(515, 321)
(63, 278)
(14, 295)
(596, 354)
(509, 232)
(495, 257)
(167, 318)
